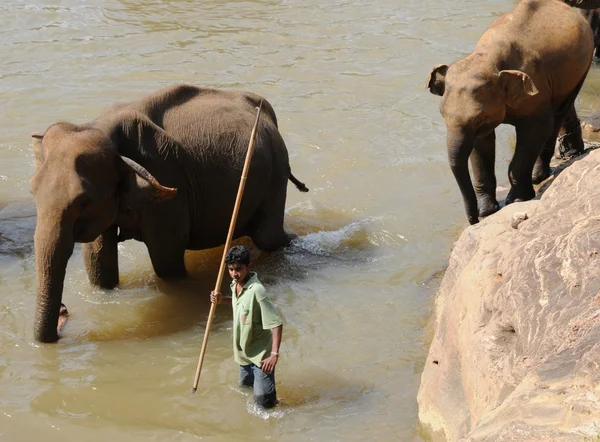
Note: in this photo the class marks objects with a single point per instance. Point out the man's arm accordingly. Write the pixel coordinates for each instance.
(277, 332)
(268, 365)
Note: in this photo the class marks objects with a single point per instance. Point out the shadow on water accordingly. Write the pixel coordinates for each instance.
(184, 304)
(145, 306)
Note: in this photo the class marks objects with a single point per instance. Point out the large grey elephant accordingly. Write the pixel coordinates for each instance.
(163, 170)
(526, 70)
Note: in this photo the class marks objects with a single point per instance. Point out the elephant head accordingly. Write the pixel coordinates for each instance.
(474, 103)
(81, 185)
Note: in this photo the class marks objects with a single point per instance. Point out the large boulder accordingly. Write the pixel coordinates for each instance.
(515, 354)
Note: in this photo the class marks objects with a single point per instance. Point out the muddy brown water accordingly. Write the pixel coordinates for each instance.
(355, 290)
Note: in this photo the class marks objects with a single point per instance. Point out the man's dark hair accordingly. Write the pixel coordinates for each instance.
(238, 255)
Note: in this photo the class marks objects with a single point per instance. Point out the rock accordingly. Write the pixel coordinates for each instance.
(590, 127)
(516, 350)
(518, 218)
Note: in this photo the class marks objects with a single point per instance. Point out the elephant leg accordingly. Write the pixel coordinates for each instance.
(531, 137)
(571, 141)
(165, 231)
(541, 169)
(166, 253)
(483, 160)
(167, 260)
(101, 259)
(267, 230)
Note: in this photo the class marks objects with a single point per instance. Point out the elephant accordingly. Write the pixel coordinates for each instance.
(163, 170)
(590, 9)
(526, 71)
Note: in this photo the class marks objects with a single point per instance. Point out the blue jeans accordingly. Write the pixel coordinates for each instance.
(262, 384)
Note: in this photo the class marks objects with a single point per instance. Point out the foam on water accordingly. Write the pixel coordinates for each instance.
(325, 243)
(278, 412)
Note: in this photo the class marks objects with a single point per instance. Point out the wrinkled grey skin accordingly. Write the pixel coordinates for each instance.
(164, 170)
(526, 70)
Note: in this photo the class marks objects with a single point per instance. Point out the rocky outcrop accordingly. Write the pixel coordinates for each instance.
(515, 354)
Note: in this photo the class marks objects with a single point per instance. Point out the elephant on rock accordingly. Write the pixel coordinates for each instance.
(526, 71)
(163, 170)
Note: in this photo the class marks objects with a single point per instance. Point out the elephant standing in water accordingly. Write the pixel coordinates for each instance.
(526, 70)
(163, 170)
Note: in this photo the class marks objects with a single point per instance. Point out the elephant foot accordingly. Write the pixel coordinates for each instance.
(171, 274)
(290, 236)
(540, 174)
(271, 243)
(516, 195)
(570, 145)
(168, 266)
(487, 207)
(63, 315)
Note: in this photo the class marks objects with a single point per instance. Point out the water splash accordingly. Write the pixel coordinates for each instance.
(263, 413)
(327, 243)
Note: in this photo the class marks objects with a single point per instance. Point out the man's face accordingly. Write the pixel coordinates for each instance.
(238, 272)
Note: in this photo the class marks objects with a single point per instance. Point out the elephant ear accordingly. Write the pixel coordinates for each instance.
(437, 80)
(38, 153)
(517, 86)
(138, 188)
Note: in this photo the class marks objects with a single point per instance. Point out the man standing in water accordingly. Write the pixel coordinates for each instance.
(257, 327)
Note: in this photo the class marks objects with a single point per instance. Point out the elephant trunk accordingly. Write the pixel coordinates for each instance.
(460, 145)
(53, 247)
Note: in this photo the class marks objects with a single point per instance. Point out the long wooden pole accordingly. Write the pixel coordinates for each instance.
(236, 209)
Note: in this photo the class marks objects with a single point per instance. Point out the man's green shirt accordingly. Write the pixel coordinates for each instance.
(254, 316)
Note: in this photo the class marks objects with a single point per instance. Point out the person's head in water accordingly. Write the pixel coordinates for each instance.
(238, 263)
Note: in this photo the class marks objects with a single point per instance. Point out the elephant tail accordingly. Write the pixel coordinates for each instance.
(299, 184)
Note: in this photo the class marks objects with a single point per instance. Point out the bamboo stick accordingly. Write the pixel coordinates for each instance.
(236, 209)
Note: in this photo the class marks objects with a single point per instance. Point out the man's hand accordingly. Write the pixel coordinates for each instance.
(268, 365)
(216, 297)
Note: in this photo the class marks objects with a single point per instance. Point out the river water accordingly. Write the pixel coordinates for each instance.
(355, 290)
